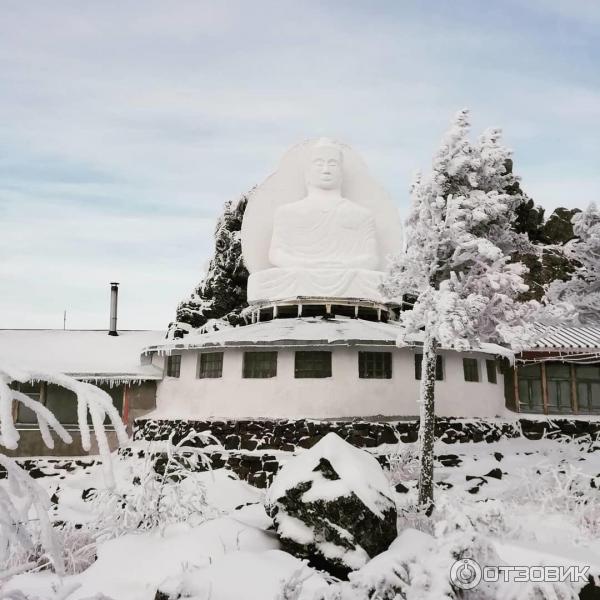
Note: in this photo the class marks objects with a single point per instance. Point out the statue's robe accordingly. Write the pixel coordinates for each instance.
(320, 249)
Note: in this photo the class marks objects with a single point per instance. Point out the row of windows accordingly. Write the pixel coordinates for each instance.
(317, 364)
(568, 388)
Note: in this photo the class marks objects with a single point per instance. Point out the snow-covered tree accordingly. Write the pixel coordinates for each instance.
(457, 264)
(24, 521)
(221, 296)
(583, 288)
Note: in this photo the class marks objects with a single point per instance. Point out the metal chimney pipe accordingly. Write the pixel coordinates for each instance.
(114, 297)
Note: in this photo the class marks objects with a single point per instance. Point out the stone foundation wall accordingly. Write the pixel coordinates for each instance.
(288, 434)
(255, 450)
(249, 445)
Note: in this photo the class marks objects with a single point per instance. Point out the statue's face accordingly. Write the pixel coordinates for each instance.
(325, 168)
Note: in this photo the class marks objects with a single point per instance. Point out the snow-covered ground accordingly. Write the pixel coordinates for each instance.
(513, 502)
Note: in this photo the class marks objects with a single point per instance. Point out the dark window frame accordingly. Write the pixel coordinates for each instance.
(587, 382)
(439, 366)
(252, 367)
(173, 366)
(471, 369)
(530, 382)
(312, 364)
(558, 388)
(210, 365)
(375, 365)
(38, 396)
(490, 368)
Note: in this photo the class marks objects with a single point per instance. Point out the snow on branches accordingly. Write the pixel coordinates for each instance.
(460, 238)
(91, 401)
(23, 498)
(457, 264)
(583, 289)
(24, 521)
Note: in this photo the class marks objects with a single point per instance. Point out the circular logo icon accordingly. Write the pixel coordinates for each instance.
(465, 574)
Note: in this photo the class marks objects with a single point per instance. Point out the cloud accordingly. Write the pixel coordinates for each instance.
(124, 130)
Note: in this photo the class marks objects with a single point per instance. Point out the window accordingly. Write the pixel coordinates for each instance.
(471, 369)
(530, 388)
(25, 415)
(439, 367)
(375, 365)
(490, 366)
(312, 364)
(62, 403)
(210, 365)
(173, 365)
(259, 365)
(588, 388)
(558, 378)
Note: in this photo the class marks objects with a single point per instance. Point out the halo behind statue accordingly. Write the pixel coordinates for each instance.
(287, 184)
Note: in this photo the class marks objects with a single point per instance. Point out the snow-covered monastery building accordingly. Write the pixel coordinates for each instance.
(315, 367)
(322, 338)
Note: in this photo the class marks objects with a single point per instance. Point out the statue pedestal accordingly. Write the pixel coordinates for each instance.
(286, 283)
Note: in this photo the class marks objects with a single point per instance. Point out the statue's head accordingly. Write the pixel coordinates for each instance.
(325, 166)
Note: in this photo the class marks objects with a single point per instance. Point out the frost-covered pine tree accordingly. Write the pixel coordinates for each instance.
(221, 296)
(583, 288)
(459, 240)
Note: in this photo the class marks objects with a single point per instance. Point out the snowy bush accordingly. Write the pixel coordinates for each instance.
(403, 463)
(561, 489)
(155, 500)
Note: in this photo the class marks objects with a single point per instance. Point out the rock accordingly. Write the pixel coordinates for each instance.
(449, 460)
(480, 481)
(401, 489)
(495, 473)
(332, 504)
(445, 485)
(89, 494)
(591, 590)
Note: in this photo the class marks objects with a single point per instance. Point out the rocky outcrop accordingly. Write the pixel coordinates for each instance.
(333, 505)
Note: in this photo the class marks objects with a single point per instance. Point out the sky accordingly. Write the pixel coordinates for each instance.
(125, 126)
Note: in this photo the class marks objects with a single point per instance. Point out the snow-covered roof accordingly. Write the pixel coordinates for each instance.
(84, 354)
(308, 331)
(568, 338)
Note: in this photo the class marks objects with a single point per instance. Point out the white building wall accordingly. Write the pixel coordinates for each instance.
(342, 395)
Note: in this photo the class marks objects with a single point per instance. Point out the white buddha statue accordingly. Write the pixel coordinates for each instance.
(324, 229)
(323, 245)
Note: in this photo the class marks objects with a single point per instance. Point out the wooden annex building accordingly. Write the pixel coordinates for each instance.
(560, 375)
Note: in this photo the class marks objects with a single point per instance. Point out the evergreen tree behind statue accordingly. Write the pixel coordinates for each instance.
(549, 260)
(221, 296)
(583, 288)
(460, 239)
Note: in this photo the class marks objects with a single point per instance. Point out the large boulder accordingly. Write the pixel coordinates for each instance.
(332, 505)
